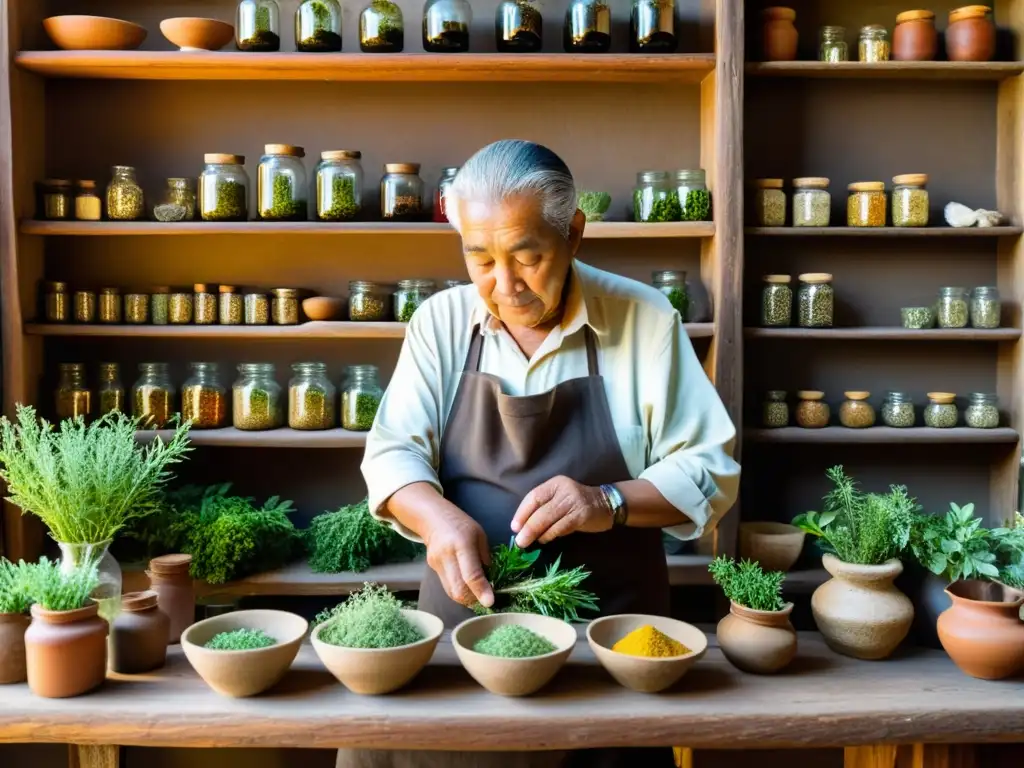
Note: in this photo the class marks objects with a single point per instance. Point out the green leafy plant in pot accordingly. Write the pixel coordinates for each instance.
(15, 602)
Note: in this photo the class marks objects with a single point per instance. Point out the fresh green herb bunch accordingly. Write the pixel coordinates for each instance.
(56, 590)
(240, 640)
(85, 482)
(1013, 576)
(351, 539)
(746, 584)
(370, 618)
(15, 586)
(955, 545)
(858, 527)
(595, 204)
(513, 641)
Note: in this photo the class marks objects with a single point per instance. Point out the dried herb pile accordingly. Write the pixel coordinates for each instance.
(370, 618)
(351, 539)
(513, 641)
(240, 640)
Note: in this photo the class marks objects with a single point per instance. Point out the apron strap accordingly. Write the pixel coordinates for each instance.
(476, 344)
(588, 333)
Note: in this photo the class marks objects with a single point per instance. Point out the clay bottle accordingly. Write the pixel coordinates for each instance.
(779, 34)
(169, 578)
(138, 637)
(65, 651)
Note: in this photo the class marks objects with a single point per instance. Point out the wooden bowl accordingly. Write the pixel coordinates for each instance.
(323, 307)
(381, 670)
(191, 33)
(93, 33)
(513, 677)
(776, 546)
(640, 673)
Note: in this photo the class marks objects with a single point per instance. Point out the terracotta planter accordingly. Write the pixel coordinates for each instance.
(859, 611)
(776, 546)
(761, 642)
(12, 647)
(780, 37)
(65, 651)
(983, 632)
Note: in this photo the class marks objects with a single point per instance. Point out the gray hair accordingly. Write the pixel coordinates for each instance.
(512, 167)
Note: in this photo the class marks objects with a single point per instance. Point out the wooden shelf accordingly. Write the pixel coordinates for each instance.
(896, 333)
(271, 438)
(885, 231)
(357, 67)
(878, 435)
(893, 70)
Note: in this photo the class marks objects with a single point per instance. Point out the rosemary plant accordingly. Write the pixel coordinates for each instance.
(351, 539)
(746, 584)
(57, 590)
(15, 586)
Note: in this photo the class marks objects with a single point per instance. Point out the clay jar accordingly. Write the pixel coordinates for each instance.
(859, 612)
(12, 647)
(856, 412)
(915, 38)
(776, 546)
(812, 412)
(982, 632)
(138, 637)
(65, 651)
(971, 34)
(169, 578)
(761, 642)
(780, 35)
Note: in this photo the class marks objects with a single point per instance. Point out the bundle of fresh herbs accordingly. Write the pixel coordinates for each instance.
(240, 640)
(58, 590)
(956, 546)
(351, 539)
(15, 586)
(370, 618)
(747, 584)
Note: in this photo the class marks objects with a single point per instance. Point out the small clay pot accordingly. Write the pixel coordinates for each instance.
(12, 647)
(982, 632)
(971, 34)
(915, 38)
(761, 642)
(169, 578)
(780, 37)
(776, 546)
(65, 651)
(138, 637)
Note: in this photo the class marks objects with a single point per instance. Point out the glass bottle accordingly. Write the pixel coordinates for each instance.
(257, 308)
(57, 199)
(204, 400)
(85, 306)
(655, 198)
(256, 398)
(982, 411)
(125, 201)
(136, 308)
(224, 188)
(284, 306)
(812, 412)
(832, 47)
(910, 200)
(812, 203)
(311, 397)
(56, 302)
(281, 183)
(153, 396)
(258, 26)
(941, 411)
(111, 391)
(230, 306)
(178, 202)
(381, 28)
(873, 45)
(409, 296)
(447, 177)
(367, 301)
(898, 410)
(401, 192)
(692, 193)
(777, 301)
(72, 397)
(180, 307)
(652, 26)
(518, 27)
(88, 206)
(339, 185)
(160, 304)
(865, 204)
(672, 283)
(775, 410)
(446, 26)
(769, 203)
(951, 310)
(318, 26)
(986, 307)
(856, 412)
(815, 300)
(360, 398)
(204, 304)
(588, 27)
(109, 306)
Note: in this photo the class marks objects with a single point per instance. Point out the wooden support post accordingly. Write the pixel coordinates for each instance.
(910, 756)
(683, 756)
(92, 756)
(875, 756)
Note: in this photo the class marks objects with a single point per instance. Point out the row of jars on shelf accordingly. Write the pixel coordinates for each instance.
(855, 412)
(255, 402)
(518, 26)
(970, 36)
(661, 196)
(866, 202)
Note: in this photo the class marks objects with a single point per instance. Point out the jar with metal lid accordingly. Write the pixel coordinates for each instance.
(873, 45)
(832, 45)
(812, 203)
(339, 185)
(111, 391)
(588, 27)
(311, 397)
(986, 307)
(56, 302)
(136, 308)
(73, 398)
(138, 635)
(178, 202)
(652, 26)
(910, 200)
(230, 306)
(256, 397)
(88, 206)
(281, 183)
(775, 410)
(898, 410)
(367, 301)
(769, 203)
(409, 296)
(381, 28)
(284, 307)
(85, 306)
(153, 396)
(258, 26)
(951, 310)
(815, 300)
(360, 397)
(982, 411)
(204, 400)
(204, 304)
(446, 26)
(125, 201)
(692, 193)
(672, 283)
(169, 577)
(655, 198)
(856, 412)
(257, 308)
(180, 307)
(518, 27)
(160, 305)
(971, 34)
(57, 199)
(318, 26)
(777, 301)
(865, 205)
(109, 305)
(444, 183)
(812, 412)
(224, 188)
(915, 38)
(941, 411)
(401, 192)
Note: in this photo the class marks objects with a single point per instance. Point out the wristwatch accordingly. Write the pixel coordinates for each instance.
(616, 503)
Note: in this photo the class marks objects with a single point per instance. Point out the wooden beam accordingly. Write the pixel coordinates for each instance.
(874, 756)
(92, 756)
(937, 756)
(683, 757)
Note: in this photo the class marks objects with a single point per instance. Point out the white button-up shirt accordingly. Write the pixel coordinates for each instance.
(672, 426)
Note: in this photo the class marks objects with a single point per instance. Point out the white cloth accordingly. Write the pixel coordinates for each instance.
(671, 424)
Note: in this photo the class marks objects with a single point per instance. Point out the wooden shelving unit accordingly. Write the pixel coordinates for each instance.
(840, 231)
(897, 333)
(884, 435)
(894, 70)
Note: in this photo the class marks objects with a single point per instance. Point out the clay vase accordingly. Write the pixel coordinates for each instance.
(983, 632)
(971, 34)
(859, 611)
(138, 636)
(12, 647)
(779, 34)
(65, 651)
(761, 642)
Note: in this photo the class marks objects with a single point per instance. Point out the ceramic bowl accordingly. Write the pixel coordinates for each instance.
(776, 546)
(513, 677)
(190, 33)
(639, 673)
(323, 307)
(93, 33)
(381, 670)
(244, 673)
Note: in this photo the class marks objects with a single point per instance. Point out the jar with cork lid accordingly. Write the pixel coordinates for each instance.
(865, 204)
(230, 306)
(139, 634)
(777, 301)
(775, 410)
(169, 577)
(281, 183)
(812, 412)
(915, 38)
(769, 203)
(339, 185)
(88, 206)
(910, 200)
(941, 411)
(815, 300)
(223, 188)
(812, 203)
(971, 34)
(856, 412)
(401, 193)
(284, 307)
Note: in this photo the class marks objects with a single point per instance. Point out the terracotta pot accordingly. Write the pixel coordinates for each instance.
(859, 611)
(915, 38)
(12, 647)
(971, 34)
(983, 632)
(779, 35)
(761, 642)
(65, 651)
(138, 636)
(776, 546)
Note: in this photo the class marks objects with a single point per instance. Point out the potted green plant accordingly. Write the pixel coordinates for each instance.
(859, 611)
(756, 635)
(15, 602)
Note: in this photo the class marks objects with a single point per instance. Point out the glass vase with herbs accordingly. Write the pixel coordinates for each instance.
(318, 26)
(256, 397)
(281, 183)
(693, 195)
(204, 400)
(588, 27)
(446, 26)
(409, 296)
(381, 28)
(655, 198)
(178, 202)
(339, 185)
(652, 26)
(125, 201)
(518, 27)
(224, 188)
(401, 193)
(311, 397)
(153, 396)
(360, 397)
(672, 283)
(258, 26)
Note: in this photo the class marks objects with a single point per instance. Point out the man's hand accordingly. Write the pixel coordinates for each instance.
(457, 551)
(559, 507)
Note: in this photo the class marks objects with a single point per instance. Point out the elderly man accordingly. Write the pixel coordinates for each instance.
(550, 401)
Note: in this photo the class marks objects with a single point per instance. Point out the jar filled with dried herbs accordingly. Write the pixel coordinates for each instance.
(318, 26)
(339, 185)
(153, 396)
(769, 203)
(518, 27)
(281, 183)
(360, 397)
(409, 296)
(136, 308)
(812, 412)
(367, 301)
(401, 193)
(111, 391)
(672, 283)
(986, 308)
(284, 306)
(109, 306)
(655, 198)
(257, 308)
(85, 306)
(258, 26)
(898, 410)
(256, 396)
(652, 26)
(72, 396)
(815, 300)
(224, 188)
(588, 27)
(777, 301)
(775, 410)
(873, 45)
(204, 400)
(443, 184)
(230, 308)
(865, 205)
(204, 304)
(311, 397)
(812, 203)
(88, 206)
(125, 201)
(446, 26)
(856, 412)
(381, 28)
(982, 411)
(160, 304)
(951, 310)
(178, 202)
(692, 193)
(56, 302)
(832, 44)
(917, 318)
(180, 307)
(910, 200)
(57, 199)
(941, 411)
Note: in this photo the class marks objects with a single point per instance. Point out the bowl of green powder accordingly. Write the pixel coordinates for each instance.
(513, 654)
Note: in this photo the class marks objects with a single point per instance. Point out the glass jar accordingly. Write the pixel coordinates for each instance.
(898, 410)
(125, 201)
(982, 411)
(832, 46)
(204, 400)
(160, 305)
(56, 199)
(409, 296)
(971, 34)
(518, 27)
(311, 397)
(812, 203)
(815, 300)
(856, 412)
(318, 26)
(917, 318)
(56, 303)
(256, 398)
(910, 200)
(873, 45)
(381, 28)
(915, 38)
(180, 307)
(258, 26)
(136, 308)
(85, 306)
(769, 203)
(257, 309)
(360, 397)
(230, 306)
(588, 27)
(446, 26)
(367, 301)
(284, 306)
(87, 203)
(652, 26)
(865, 205)
(111, 391)
(447, 177)
(153, 396)
(777, 301)
(812, 412)
(224, 188)
(986, 308)
(951, 310)
(178, 202)
(281, 183)
(401, 192)
(655, 198)
(692, 193)
(72, 397)
(339, 185)
(204, 305)
(775, 411)
(672, 283)
(109, 306)
(941, 412)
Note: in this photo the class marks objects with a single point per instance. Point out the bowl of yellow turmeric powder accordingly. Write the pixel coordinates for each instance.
(646, 653)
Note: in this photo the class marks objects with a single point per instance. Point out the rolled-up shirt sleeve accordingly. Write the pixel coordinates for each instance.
(690, 437)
